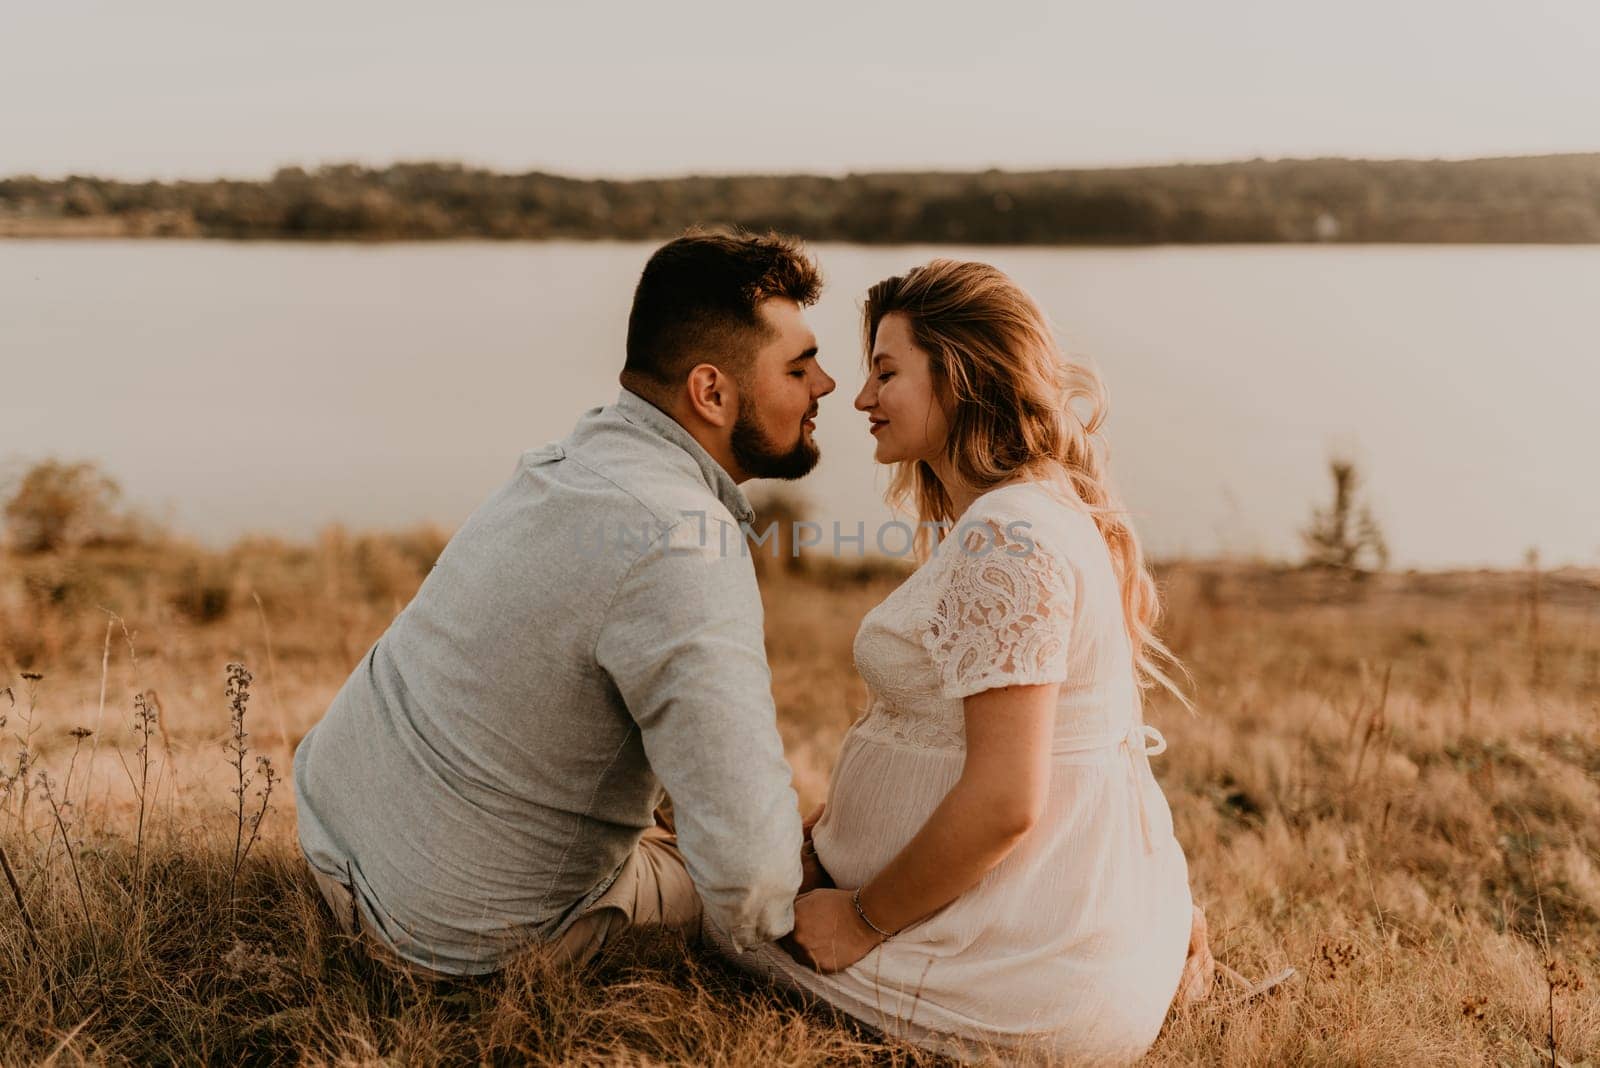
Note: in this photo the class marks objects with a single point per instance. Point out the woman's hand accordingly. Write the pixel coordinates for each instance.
(828, 934)
(1194, 985)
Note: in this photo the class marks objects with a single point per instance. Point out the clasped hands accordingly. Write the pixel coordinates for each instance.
(828, 934)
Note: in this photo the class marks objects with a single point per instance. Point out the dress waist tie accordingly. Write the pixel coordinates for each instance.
(1135, 744)
(1139, 742)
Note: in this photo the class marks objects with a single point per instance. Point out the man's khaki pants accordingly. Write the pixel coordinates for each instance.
(653, 888)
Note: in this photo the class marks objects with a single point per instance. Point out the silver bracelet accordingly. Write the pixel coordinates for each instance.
(855, 899)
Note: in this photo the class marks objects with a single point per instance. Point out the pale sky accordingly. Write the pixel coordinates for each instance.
(189, 89)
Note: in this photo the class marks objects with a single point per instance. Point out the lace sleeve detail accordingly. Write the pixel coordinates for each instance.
(1003, 614)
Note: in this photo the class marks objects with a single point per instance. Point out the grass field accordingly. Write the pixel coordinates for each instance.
(1392, 784)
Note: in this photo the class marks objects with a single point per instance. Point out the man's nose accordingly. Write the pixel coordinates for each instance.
(828, 384)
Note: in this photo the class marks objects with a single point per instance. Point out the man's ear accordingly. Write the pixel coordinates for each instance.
(711, 394)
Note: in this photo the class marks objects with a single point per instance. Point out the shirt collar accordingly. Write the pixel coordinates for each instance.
(640, 412)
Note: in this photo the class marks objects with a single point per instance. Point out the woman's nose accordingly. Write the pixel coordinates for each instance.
(862, 401)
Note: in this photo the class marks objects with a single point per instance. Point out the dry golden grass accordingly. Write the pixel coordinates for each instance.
(1392, 785)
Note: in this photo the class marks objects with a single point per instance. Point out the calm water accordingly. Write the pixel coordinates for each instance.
(278, 387)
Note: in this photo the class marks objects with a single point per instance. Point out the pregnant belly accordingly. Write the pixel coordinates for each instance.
(881, 795)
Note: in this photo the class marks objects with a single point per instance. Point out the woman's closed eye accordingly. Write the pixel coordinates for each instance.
(885, 376)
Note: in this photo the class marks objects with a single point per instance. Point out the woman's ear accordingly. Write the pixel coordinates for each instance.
(944, 393)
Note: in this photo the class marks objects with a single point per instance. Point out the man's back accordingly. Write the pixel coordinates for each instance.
(493, 760)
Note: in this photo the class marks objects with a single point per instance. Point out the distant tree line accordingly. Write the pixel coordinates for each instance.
(1525, 199)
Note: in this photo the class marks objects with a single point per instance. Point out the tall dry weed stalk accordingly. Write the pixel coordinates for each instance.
(16, 895)
(60, 813)
(100, 715)
(1535, 648)
(1374, 725)
(7, 780)
(21, 777)
(77, 734)
(143, 726)
(7, 783)
(1559, 976)
(35, 945)
(247, 830)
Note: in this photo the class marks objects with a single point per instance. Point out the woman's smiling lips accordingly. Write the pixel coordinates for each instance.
(877, 425)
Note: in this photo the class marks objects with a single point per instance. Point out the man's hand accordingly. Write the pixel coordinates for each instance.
(828, 935)
(812, 820)
(813, 876)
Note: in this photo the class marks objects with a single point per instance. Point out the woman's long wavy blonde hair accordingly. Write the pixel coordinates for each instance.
(994, 355)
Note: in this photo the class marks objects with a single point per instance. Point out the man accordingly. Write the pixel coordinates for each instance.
(487, 776)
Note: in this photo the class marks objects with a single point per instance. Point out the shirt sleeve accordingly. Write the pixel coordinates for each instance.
(683, 642)
(1002, 615)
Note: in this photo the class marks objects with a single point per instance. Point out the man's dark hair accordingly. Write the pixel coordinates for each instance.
(697, 302)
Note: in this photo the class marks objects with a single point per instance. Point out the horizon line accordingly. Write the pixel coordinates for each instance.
(679, 175)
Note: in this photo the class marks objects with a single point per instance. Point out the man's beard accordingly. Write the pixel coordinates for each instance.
(759, 458)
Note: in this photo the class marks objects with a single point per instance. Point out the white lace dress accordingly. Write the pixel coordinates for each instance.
(1072, 946)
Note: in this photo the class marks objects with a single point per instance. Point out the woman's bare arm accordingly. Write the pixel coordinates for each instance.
(997, 800)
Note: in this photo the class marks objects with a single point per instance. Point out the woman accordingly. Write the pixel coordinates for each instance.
(998, 872)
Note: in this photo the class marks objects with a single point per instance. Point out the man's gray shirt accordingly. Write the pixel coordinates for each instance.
(591, 634)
